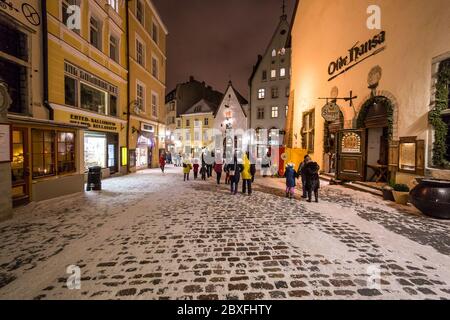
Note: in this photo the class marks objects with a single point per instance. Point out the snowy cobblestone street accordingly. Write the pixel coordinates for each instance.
(151, 236)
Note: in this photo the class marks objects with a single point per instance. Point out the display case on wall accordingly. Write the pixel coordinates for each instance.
(411, 155)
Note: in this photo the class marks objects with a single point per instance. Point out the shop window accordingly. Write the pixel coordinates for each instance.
(260, 115)
(261, 94)
(96, 33)
(70, 91)
(274, 112)
(15, 76)
(93, 99)
(14, 42)
(43, 150)
(274, 137)
(114, 48)
(66, 152)
(274, 92)
(94, 149)
(65, 11)
(112, 106)
(154, 105)
(308, 131)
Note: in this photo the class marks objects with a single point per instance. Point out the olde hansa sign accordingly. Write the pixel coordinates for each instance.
(357, 54)
(331, 112)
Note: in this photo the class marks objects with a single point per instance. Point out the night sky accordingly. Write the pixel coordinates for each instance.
(214, 40)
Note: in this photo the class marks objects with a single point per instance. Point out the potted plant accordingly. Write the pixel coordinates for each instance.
(388, 191)
(401, 193)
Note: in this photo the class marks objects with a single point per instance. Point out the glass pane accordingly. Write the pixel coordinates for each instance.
(113, 105)
(17, 137)
(61, 147)
(93, 99)
(95, 150)
(70, 91)
(70, 137)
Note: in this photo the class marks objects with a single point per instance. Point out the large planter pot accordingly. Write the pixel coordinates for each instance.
(432, 198)
(401, 197)
(388, 194)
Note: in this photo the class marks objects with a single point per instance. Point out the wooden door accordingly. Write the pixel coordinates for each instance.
(20, 168)
(351, 155)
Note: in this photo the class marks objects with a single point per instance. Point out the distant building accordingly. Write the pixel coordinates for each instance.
(182, 101)
(269, 89)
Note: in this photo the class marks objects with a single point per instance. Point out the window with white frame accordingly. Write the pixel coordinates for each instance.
(282, 72)
(261, 94)
(140, 96)
(140, 11)
(140, 53)
(273, 73)
(114, 4)
(154, 105)
(155, 67)
(96, 33)
(114, 48)
(155, 32)
(274, 112)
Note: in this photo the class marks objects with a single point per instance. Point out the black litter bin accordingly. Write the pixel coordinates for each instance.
(94, 179)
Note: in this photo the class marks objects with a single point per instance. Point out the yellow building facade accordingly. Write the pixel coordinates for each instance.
(196, 133)
(147, 57)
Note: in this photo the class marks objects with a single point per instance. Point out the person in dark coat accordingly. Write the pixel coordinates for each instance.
(290, 181)
(235, 170)
(218, 168)
(312, 184)
(301, 173)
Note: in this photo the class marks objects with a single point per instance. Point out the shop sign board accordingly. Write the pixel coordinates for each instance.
(93, 123)
(351, 143)
(331, 112)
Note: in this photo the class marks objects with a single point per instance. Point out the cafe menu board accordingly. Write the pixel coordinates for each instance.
(351, 143)
(5, 143)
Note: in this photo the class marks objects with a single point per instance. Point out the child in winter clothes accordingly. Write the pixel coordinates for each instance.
(290, 181)
(187, 167)
(312, 180)
(196, 166)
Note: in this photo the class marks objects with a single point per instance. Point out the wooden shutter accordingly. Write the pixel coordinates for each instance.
(420, 157)
(393, 155)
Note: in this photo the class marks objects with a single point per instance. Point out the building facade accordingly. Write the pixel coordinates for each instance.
(147, 58)
(372, 104)
(270, 87)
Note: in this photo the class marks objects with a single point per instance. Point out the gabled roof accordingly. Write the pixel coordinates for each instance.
(283, 20)
(242, 101)
(204, 105)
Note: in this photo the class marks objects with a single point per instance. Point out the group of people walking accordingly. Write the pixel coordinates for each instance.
(308, 172)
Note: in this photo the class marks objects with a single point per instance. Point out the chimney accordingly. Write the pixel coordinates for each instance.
(209, 88)
(191, 78)
(203, 83)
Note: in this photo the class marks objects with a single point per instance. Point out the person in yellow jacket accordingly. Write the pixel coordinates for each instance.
(187, 167)
(247, 175)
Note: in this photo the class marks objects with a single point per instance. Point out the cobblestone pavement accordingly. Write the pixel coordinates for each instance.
(151, 236)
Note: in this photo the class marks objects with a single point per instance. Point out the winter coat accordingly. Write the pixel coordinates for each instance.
(311, 171)
(290, 177)
(246, 173)
(162, 161)
(218, 168)
(196, 166)
(300, 171)
(187, 167)
(236, 167)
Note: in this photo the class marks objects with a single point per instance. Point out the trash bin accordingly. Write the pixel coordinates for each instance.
(94, 181)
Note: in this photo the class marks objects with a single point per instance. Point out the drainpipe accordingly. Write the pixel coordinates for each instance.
(127, 21)
(45, 59)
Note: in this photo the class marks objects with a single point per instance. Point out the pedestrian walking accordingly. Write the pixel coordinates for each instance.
(162, 162)
(246, 175)
(196, 167)
(312, 180)
(234, 169)
(227, 172)
(187, 167)
(301, 173)
(218, 168)
(203, 172)
(290, 181)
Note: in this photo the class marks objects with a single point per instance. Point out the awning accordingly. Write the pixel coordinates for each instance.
(29, 120)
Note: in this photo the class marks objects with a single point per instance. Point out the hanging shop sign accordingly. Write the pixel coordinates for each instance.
(357, 54)
(351, 143)
(93, 123)
(331, 112)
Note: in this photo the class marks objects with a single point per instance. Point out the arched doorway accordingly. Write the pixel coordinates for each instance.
(376, 117)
